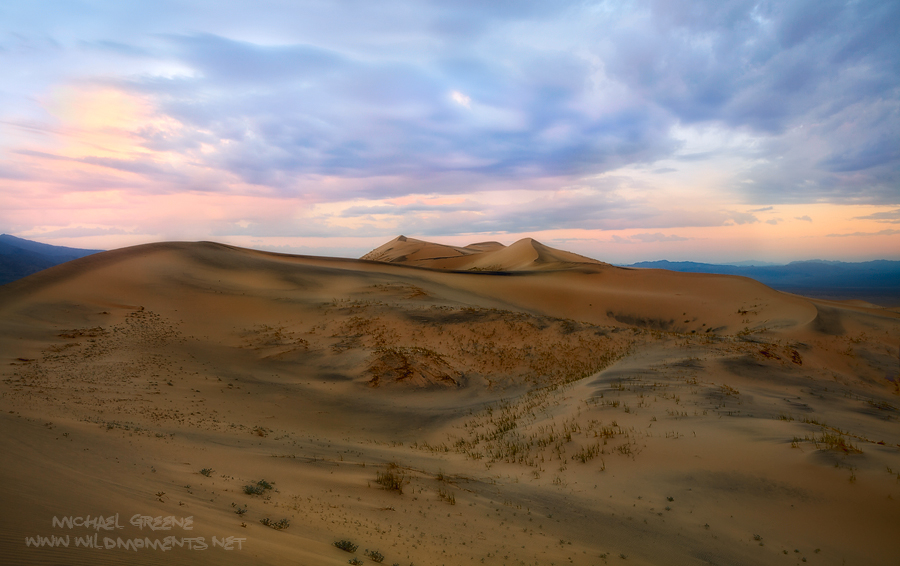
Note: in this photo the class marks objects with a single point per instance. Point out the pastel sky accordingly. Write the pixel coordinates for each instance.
(712, 131)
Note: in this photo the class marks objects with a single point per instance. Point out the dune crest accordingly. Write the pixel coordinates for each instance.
(526, 254)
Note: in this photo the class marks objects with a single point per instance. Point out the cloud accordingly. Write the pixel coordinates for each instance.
(415, 207)
(646, 238)
(367, 105)
(742, 217)
(299, 228)
(805, 218)
(812, 80)
(79, 232)
(892, 216)
(116, 47)
(274, 111)
(296, 109)
(605, 204)
(751, 64)
(774, 221)
(657, 237)
(461, 99)
(831, 158)
(861, 234)
(13, 172)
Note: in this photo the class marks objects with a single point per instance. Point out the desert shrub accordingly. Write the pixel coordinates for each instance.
(207, 472)
(253, 490)
(346, 545)
(392, 479)
(258, 488)
(354, 561)
(277, 525)
(447, 496)
(587, 453)
(375, 556)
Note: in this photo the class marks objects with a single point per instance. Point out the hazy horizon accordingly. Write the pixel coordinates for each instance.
(356, 253)
(709, 132)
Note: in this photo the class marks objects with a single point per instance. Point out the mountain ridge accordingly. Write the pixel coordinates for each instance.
(20, 257)
(876, 281)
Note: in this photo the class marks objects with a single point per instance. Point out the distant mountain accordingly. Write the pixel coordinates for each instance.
(20, 258)
(755, 263)
(873, 281)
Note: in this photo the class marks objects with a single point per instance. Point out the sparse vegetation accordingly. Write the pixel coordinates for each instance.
(392, 479)
(375, 556)
(447, 496)
(587, 453)
(829, 440)
(208, 472)
(258, 488)
(346, 545)
(277, 525)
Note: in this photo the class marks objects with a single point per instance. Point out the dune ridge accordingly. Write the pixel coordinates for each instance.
(526, 254)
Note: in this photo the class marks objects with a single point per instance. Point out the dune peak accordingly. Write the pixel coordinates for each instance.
(526, 254)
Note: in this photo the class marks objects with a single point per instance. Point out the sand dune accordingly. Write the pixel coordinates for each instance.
(525, 255)
(532, 405)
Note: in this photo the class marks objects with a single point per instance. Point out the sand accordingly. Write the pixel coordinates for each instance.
(527, 406)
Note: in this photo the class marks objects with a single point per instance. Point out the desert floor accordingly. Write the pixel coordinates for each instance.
(510, 405)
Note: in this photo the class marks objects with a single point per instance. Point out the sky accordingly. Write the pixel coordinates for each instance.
(626, 131)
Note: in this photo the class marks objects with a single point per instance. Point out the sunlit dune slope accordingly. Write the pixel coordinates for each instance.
(216, 283)
(526, 254)
(588, 289)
